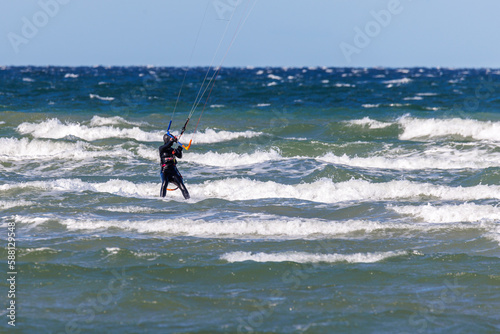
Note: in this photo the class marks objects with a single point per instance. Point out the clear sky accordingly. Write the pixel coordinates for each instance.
(359, 33)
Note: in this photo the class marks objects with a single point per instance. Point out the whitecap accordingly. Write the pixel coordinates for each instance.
(232, 159)
(370, 123)
(415, 128)
(237, 189)
(274, 77)
(102, 98)
(303, 257)
(402, 81)
(55, 129)
(466, 212)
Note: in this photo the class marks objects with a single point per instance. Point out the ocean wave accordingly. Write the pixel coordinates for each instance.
(327, 191)
(259, 226)
(419, 128)
(445, 158)
(240, 227)
(427, 94)
(115, 120)
(13, 149)
(102, 98)
(44, 250)
(434, 158)
(130, 209)
(55, 129)
(112, 250)
(30, 222)
(467, 212)
(239, 189)
(210, 136)
(401, 81)
(494, 234)
(117, 187)
(370, 123)
(4, 205)
(302, 257)
(415, 128)
(368, 105)
(232, 159)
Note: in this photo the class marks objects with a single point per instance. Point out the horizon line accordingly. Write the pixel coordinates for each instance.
(256, 67)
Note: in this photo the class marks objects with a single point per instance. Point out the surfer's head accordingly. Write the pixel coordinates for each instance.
(167, 139)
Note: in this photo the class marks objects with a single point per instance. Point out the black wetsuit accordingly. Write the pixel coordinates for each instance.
(169, 172)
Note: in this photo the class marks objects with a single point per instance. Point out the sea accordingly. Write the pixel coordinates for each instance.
(323, 200)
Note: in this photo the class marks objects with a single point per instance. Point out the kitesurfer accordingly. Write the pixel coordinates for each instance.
(169, 171)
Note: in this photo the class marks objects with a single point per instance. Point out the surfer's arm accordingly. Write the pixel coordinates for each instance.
(178, 152)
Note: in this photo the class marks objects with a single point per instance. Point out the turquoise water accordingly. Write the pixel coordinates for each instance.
(323, 200)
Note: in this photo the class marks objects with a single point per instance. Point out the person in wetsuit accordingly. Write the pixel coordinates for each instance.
(169, 171)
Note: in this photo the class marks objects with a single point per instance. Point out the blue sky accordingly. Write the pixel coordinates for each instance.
(363, 33)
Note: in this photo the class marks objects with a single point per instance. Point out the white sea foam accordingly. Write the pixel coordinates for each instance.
(370, 123)
(433, 158)
(415, 128)
(31, 221)
(71, 75)
(418, 128)
(112, 250)
(118, 187)
(258, 226)
(210, 136)
(302, 257)
(55, 129)
(494, 234)
(398, 81)
(273, 227)
(322, 191)
(130, 209)
(13, 149)
(232, 159)
(151, 153)
(467, 212)
(484, 217)
(116, 120)
(367, 105)
(326, 191)
(4, 205)
(341, 85)
(427, 94)
(39, 249)
(274, 77)
(102, 98)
